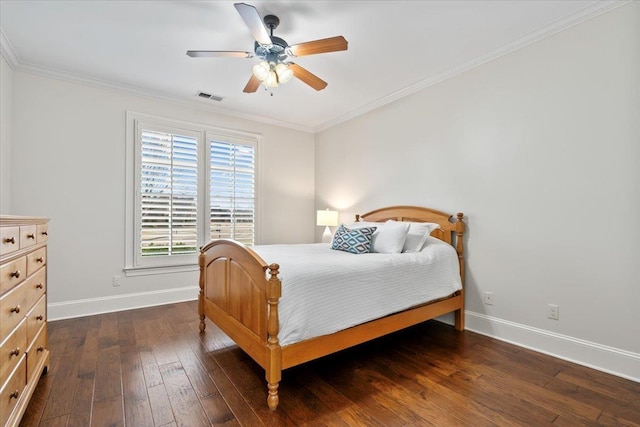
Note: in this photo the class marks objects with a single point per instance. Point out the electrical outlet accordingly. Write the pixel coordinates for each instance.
(488, 298)
(116, 281)
(553, 311)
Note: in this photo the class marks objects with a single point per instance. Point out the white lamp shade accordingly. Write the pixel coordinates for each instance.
(271, 80)
(327, 218)
(284, 73)
(261, 70)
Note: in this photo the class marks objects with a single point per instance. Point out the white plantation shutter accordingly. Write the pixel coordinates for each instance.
(232, 191)
(168, 194)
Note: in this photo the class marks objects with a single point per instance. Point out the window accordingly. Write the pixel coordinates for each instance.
(186, 184)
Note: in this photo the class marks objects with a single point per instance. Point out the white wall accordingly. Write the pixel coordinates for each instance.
(72, 137)
(540, 149)
(6, 82)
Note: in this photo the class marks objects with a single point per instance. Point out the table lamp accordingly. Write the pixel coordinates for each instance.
(327, 219)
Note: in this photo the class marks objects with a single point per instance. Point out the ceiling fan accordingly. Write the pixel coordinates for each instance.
(276, 66)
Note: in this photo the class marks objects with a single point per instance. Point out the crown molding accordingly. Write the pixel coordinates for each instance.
(7, 52)
(596, 9)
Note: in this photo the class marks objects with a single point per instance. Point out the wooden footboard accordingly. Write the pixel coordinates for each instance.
(239, 292)
(236, 295)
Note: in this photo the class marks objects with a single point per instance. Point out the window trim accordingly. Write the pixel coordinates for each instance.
(134, 264)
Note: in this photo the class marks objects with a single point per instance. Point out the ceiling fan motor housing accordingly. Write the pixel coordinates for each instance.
(277, 49)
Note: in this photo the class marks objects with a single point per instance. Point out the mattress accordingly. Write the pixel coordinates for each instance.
(325, 291)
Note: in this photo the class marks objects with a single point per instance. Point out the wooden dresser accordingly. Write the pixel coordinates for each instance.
(23, 312)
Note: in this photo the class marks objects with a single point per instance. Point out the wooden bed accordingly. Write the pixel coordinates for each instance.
(239, 292)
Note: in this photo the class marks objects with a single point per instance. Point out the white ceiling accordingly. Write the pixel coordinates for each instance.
(395, 47)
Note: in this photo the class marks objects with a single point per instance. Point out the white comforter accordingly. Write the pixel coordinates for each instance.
(324, 290)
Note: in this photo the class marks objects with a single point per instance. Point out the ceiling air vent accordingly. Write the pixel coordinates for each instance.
(209, 96)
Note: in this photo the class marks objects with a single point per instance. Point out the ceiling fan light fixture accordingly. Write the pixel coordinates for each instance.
(271, 80)
(261, 70)
(284, 72)
(272, 74)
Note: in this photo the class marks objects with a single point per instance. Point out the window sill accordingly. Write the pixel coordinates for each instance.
(146, 271)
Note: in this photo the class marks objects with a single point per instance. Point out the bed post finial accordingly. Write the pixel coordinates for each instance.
(274, 270)
(357, 217)
(459, 240)
(274, 351)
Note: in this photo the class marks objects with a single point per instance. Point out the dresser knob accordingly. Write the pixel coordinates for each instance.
(14, 352)
(14, 395)
(39, 286)
(39, 317)
(31, 236)
(44, 233)
(40, 259)
(11, 240)
(15, 274)
(41, 348)
(15, 309)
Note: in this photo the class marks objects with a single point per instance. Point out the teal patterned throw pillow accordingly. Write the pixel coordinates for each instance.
(356, 241)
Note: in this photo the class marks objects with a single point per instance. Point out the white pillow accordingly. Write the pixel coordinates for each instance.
(417, 235)
(389, 236)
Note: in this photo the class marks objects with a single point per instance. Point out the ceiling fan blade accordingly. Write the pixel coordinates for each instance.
(307, 77)
(332, 44)
(218, 54)
(252, 85)
(253, 20)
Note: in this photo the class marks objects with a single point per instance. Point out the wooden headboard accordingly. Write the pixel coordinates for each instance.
(451, 229)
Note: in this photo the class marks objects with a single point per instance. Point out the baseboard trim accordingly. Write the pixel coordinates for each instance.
(110, 304)
(611, 360)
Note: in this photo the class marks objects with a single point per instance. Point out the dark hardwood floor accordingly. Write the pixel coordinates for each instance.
(151, 367)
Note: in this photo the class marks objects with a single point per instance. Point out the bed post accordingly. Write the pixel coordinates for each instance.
(201, 261)
(274, 352)
(459, 314)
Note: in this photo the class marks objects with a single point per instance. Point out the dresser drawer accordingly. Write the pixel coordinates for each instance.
(35, 260)
(11, 350)
(12, 390)
(42, 233)
(27, 235)
(9, 240)
(12, 310)
(34, 287)
(12, 273)
(35, 319)
(35, 353)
